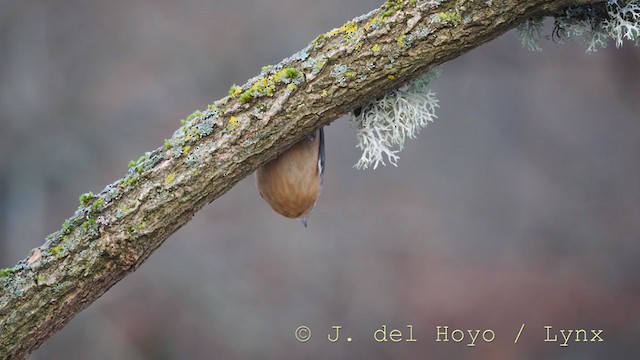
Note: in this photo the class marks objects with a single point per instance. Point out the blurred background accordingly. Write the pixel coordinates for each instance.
(521, 204)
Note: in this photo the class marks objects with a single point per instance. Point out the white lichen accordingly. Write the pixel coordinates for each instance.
(338, 72)
(429, 4)
(383, 125)
(623, 22)
(595, 40)
(596, 25)
(530, 34)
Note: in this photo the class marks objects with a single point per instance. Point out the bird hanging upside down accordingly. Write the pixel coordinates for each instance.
(291, 182)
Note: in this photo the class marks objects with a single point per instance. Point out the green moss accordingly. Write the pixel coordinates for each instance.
(399, 6)
(135, 229)
(266, 85)
(89, 223)
(318, 39)
(292, 87)
(134, 163)
(37, 279)
(56, 250)
(450, 18)
(195, 114)
(131, 180)
(90, 227)
(391, 6)
(98, 204)
(262, 87)
(167, 144)
(246, 96)
(289, 73)
(86, 198)
(7, 271)
(66, 226)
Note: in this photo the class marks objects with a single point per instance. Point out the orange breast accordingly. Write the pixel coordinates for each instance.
(290, 183)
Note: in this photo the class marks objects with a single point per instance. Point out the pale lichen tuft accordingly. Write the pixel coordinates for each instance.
(384, 124)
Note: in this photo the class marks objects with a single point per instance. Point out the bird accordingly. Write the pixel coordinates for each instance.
(291, 182)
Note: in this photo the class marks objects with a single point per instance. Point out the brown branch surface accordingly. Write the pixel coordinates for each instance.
(113, 232)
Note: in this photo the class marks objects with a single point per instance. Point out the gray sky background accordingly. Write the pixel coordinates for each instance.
(520, 204)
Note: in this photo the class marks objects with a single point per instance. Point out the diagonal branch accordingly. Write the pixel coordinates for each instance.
(113, 232)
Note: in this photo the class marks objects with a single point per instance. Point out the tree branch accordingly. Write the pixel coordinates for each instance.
(113, 232)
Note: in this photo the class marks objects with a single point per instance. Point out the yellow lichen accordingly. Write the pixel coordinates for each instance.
(450, 18)
(235, 90)
(347, 28)
(402, 40)
(169, 179)
(287, 75)
(266, 86)
(375, 20)
(233, 122)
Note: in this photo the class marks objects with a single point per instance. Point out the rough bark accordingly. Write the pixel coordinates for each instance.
(113, 232)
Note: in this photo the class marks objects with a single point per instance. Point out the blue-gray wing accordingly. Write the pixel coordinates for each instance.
(321, 155)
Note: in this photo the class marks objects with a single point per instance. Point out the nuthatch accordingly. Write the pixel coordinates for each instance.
(291, 182)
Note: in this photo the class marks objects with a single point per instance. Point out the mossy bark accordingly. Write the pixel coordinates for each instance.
(113, 232)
